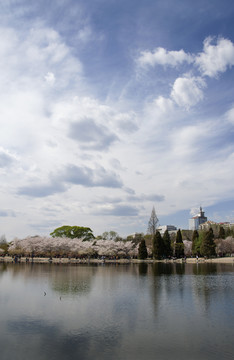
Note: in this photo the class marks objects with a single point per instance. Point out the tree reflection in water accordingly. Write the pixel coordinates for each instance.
(119, 312)
(72, 280)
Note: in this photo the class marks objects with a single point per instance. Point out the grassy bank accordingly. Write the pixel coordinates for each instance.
(39, 260)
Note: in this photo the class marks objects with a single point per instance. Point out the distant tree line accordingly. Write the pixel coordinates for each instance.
(207, 243)
(215, 241)
(203, 244)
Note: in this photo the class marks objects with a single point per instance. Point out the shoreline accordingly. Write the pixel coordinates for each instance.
(63, 261)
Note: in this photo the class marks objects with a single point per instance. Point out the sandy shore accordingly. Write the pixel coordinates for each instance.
(38, 260)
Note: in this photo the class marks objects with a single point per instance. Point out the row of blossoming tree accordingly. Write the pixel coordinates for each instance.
(161, 247)
(48, 246)
(77, 241)
(61, 246)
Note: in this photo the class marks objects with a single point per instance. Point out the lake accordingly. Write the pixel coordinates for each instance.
(110, 311)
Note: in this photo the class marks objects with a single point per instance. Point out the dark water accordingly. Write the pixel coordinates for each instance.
(161, 311)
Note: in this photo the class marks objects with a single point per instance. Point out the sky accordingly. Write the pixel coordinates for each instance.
(111, 107)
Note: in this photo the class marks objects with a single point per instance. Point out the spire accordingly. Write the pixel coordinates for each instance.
(202, 213)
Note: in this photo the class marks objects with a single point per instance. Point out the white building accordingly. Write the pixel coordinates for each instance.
(169, 228)
(197, 220)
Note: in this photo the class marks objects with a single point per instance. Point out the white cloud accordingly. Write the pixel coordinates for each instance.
(85, 34)
(46, 44)
(161, 56)
(194, 211)
(230, 115)
(187, 91)
(185, 141)
(46, 97)
(159, 112)
(26, 101)
(6, 157)
(26, 58)
(215, 58)
(91, 122)
(126, 122)
(163, 106)
(50, 78)
(91, 135)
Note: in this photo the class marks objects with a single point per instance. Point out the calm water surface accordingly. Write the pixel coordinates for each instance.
(160, 311)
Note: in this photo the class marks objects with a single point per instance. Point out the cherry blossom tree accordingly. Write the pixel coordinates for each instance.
(225, 246)
(61, 246)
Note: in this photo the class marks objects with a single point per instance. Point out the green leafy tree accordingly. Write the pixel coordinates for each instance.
(179, 246)
(221, 234)
(111, 235)
(148, 239)
(202, 235)
(73, 232)
(228, 232)
(187, 234)
(136, 238)
(158, 247)
(142, 250)
(167, 244)
(208, 244)
(3, 243)
(195, 243)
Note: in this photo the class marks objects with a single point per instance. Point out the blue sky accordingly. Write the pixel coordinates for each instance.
(108, 108)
